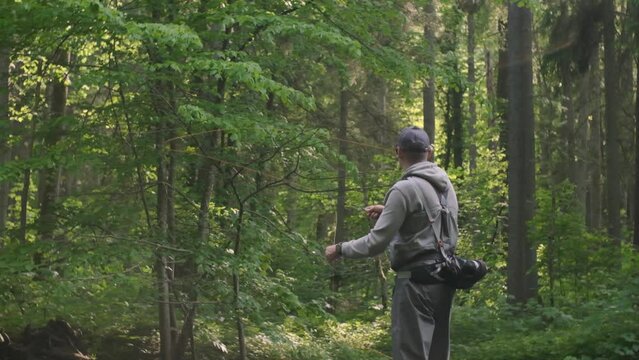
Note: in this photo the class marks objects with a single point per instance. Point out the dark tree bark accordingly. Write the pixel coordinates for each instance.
(454, 126)
(635, 240)
(321, 226)
(239, 323)
(5, 128)
(340, 218)
(26, 175)
(565, 166)
(471, 7)
(428, 91)
(49, 176)
(501, 104)
(472, 111)
(522, 275)
(377, 102)
(611, 115)
(163, 266)
(594, 200)
(635, 11)
(582, 146)
(636, 224)
(160, 93)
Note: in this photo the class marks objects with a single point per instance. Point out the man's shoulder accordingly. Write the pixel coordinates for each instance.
(402, 185)
(409, 186)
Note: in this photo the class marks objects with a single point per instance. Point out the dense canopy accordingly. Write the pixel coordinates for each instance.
(171, 171)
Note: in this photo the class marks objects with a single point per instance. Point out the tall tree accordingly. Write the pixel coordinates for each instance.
(611, 116)
(5, 126)
(594, 200)
(340, 219)
(49, 182)
(428, 91)
(471, 7)
(522, 275)
(635, 11)
(455, 82)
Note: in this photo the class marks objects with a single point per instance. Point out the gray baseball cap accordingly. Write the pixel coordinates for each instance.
(413, 139)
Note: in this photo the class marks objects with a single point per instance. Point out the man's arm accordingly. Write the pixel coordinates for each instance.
(380, 236)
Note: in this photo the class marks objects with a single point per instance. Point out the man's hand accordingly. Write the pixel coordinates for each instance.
(331, 253)
(374, 211)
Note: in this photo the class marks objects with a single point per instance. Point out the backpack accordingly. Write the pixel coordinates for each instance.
(458, 272)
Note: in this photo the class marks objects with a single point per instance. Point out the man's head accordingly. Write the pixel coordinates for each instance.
(413, 146)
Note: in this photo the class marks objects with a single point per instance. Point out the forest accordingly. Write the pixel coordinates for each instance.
(172, 170)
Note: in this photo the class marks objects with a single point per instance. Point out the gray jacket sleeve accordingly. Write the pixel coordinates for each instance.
(388, 224)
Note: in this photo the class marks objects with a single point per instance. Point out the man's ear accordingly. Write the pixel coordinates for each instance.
(430, 152)
(399, 152)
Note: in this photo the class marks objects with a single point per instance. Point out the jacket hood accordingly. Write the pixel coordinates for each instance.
(430, 172)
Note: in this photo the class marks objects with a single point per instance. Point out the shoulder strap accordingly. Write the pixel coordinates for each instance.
(441, 195)
(443, 202)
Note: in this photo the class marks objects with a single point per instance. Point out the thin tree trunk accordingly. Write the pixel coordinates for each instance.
(163, 100)
(5, 129)
(613, 152)
(502, 93)
(625, 120)
(596, 164)
(472, 111)
(522, 276)
(636, 233)
(340, 219)
(580, 176)
(171, 231)
(166, 315)
(321, 226)
(428, 91)
(635, 11)
(490, 75)
(49, 176)
(26, 177)
(566, 166)
(162, 267)
(457, 101)
(241, 338)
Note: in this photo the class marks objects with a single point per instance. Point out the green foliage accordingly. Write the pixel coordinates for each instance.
(250, 89)
(600, 329)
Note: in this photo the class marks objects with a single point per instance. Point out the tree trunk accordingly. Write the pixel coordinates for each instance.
(162, 267)
(565, 166)
(166, 312)
(472, 111)
(340, 218)
(611, 115)
(490, 75)
(49, 176)
(322, 224)
(458, 121)
(636, 227)
(501, 104)
(595, 164)
(239, 323)
(26, 176)
(428, 91)
(582, 146)
(635, 11)
(5, 128)
(454, 126)
(522, 275)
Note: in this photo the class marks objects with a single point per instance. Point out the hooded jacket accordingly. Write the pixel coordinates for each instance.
(410, 219)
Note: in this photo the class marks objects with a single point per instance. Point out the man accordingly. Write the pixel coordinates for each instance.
(408, 222)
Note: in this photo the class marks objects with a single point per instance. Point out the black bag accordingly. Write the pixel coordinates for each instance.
(457, 272)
